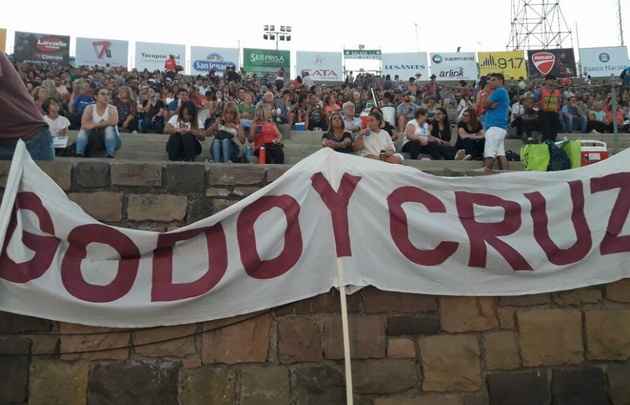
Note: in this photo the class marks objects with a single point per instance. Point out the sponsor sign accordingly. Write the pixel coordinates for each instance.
(511, 64)
(203, 59)
(602, 62)
(321, 66)
(151, 55)
(454, 66)
(331, 217)
(3, 39)
(266, 61)
(559, 62)
(101, 52)
(47, 48)
(406, 65)
(362, 54)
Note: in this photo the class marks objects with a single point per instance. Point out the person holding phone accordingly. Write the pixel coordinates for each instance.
(372, 140)
(225, 131)
(185, 130)
(264, 132)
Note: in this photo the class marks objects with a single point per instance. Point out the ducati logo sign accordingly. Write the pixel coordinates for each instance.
(544, 61)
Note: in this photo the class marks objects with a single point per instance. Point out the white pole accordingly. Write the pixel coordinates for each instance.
(346, 332)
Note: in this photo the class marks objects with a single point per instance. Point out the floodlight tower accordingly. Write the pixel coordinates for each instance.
(538, 24)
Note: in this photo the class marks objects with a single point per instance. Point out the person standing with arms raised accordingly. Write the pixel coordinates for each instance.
(496, 124)
(20, 118)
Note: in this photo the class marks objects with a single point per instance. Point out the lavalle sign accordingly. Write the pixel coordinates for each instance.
(362, 54)
(265, 61)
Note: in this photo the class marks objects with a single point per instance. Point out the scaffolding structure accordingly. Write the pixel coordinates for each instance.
(538, 24)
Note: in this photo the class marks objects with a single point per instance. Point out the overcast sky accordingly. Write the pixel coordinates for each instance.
(317, 26)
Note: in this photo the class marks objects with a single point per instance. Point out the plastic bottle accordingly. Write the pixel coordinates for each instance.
(262, 155)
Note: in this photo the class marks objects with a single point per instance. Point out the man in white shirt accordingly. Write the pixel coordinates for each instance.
(351, 123)
(307, 80)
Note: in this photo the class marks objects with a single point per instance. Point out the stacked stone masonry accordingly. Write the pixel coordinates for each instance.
(570, 347)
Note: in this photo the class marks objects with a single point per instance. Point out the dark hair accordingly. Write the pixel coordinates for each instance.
(47, 102)
(330, 127)
(472, 113)
(190, 106)
(498, 76)
(376, 115)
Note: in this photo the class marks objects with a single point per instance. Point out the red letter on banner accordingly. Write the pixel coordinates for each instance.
(479, 232)
(337, 203)
(44, 247)
(264, 269)
(582, 245)
(163, 287)
(612, 242)
(71, 276)
(399, 226)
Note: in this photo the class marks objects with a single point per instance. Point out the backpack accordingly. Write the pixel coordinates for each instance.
(558, 159)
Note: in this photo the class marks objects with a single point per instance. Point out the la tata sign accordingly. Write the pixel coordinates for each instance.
(331, 217)
(321, 66)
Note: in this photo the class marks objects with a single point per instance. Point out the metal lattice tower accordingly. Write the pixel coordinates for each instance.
(538, 24)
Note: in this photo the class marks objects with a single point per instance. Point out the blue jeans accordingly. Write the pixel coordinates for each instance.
(112, 140)
(568, 123)
(157, 126)
(40, 147)
(223, 147)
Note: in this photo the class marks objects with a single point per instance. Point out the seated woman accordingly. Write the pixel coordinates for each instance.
(246, 110)
(264, 132)
(417, 134)
(376, 143)
(100, 116)
(393, 131)
(337, 137)
(597, 121)
(58, 124)
(470, 135)
(297, 113)
(40, 95)
(127, 109)
(185, 131)
(440, 129)
(225, 131)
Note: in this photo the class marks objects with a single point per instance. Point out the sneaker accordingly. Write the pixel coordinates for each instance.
(460, 154)
(134, 132)
(483, 170)
(468, 157)
(110, 156)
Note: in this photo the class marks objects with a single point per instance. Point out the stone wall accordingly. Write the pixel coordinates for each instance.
(568, 347)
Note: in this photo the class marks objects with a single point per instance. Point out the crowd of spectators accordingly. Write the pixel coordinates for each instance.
(147, 101)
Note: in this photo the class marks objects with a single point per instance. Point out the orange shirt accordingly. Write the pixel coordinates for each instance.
(267, 135)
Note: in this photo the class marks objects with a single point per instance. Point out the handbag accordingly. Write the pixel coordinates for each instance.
(535, 157)
(274, 146)
(221, 134)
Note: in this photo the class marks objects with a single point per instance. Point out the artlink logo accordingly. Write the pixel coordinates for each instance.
(437, 58)
(544, 61)
(102, 49)
(51, 44)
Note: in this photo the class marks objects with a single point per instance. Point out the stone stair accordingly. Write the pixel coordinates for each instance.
(300, 144)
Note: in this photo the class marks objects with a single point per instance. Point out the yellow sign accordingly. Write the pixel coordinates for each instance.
(512, 64)
(3, 40)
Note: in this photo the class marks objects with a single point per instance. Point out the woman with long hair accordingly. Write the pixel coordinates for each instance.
(185, 131)
(337, 137)
(440, 129)
(127, 109)
(376, 143)
(470, 134)
(39, 96)
(225, 131)
(264, 132)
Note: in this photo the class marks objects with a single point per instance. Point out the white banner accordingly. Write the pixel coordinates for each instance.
(389, 226)
(454, 66)
(406, 65)
(321, 66)
(101, 52)
(203, 59)
(151, 55)
(602, 62)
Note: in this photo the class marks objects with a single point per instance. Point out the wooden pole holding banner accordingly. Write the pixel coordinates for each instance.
(345, 331)
(613, 94)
